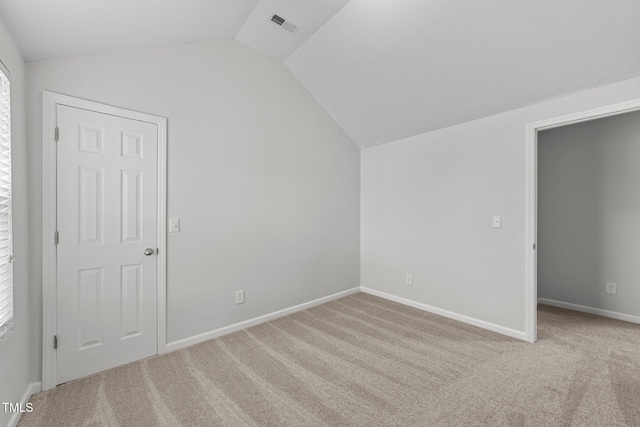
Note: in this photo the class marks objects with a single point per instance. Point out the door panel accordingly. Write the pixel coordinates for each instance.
(131, 204)
(107, 217)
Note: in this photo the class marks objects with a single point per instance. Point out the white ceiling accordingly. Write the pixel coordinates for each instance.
(58, 28)
(391, 69)
(263, 35)
(383, 69)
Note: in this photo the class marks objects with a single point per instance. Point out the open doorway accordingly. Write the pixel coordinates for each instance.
(565, 220)
(589, 217)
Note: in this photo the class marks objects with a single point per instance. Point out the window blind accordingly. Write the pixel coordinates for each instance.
(6, 246)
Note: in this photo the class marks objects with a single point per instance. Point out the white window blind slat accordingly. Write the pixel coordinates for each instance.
(6, 238)
(5, 280)
(3, 287)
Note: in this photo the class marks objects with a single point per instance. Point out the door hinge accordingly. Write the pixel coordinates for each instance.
(534, 246)
(55, 341)
(57, 133)
(56, 237)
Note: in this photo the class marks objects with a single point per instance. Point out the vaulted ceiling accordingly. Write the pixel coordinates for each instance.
(383, 69)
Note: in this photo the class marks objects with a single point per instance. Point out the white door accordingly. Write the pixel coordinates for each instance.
(107, 184)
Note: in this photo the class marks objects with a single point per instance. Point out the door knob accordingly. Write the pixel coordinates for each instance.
(148, 252)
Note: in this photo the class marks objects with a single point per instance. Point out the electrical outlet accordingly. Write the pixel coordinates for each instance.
(409, 279)
(610, 288)
(496, 222)
(240, 297)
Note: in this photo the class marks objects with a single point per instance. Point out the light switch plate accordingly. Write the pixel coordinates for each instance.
(174, 225)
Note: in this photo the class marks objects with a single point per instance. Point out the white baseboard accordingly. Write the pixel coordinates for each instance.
(32, 389)
(591, 310)
(196, 339)
(451, 315)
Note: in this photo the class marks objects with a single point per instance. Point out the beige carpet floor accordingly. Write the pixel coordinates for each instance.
(365, 361)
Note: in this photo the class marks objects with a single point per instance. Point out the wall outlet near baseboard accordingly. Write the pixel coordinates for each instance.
(240, 297)
(409, 279)
(610, 288)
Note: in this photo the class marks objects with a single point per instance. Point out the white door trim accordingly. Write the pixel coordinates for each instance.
(531, 198)
(49, 302)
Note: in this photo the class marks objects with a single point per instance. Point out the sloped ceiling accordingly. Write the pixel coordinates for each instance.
(263, 35)
(383, 69)
(391, 69)
(58, 28)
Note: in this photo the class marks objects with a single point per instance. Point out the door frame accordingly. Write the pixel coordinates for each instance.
(51, 101)
(531, 198)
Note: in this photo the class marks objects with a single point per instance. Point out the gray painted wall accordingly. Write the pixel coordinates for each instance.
(589, 213)
(19, 361)
(268, 193)
(265, 183)
(427, 203)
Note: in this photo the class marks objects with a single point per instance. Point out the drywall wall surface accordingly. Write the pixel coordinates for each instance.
(589, 213)
(265, 183)
(19, 358)
(428, 202)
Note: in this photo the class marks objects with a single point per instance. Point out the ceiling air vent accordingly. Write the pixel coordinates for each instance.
(288, 25)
